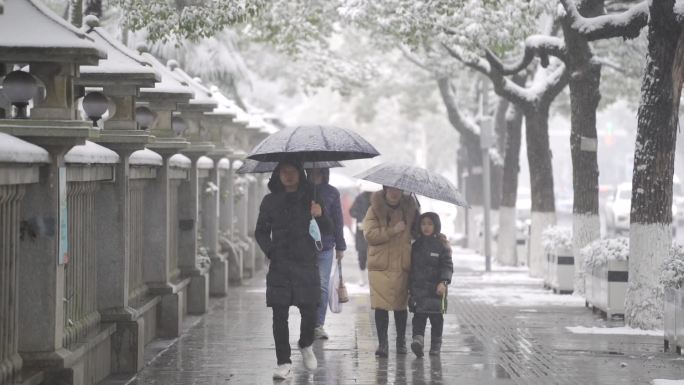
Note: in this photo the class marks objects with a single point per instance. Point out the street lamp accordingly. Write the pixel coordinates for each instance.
(178, 125)
(95, 104)
(144, 117)
(20, 87)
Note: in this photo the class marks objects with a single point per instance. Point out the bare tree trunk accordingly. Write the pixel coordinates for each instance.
(658, 120)
(93, 7)
(76, 13)
(584, 98)
(539, 157)
(507, 240)
(470, 147)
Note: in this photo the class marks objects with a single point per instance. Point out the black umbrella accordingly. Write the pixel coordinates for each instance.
(313, 144)
(416, 180)
(255, 167)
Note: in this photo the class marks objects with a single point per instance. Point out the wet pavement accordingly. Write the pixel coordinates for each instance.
(501, 328)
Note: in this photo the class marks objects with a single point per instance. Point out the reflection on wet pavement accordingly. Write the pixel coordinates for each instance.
(485, 342)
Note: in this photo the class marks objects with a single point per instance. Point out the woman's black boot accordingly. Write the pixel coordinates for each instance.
(383, 347)
(381, 326)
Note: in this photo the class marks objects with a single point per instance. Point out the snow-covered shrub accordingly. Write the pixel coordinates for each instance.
(673, 268)
(556, 238)
(597, 253)
(203, 257)
(210, 188)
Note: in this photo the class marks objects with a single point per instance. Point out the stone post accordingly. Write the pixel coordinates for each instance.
(113, 252)
(188, 202)
(218, 279)
(157, 265)
(41, 273)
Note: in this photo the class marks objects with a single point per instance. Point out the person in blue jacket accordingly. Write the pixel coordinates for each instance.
(333, 240)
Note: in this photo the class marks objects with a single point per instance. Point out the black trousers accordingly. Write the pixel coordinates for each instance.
(363, 258)
(436, 321)
(281, 332)
(382, 323)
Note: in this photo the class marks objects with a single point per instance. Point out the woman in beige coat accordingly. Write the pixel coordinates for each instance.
(387, 228)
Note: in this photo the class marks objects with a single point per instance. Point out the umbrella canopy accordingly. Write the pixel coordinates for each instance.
(313, 144)
(416, 180)
(255, 167)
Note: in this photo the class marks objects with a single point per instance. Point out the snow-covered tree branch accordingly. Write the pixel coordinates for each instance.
(464, 125)
(538, 45)
(627, 24)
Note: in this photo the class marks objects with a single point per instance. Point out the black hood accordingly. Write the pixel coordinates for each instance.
(275, 185)
(435, 219)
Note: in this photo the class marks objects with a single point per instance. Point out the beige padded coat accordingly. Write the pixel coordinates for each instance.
(389, 253)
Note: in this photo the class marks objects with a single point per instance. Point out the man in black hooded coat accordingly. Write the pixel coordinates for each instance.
(282, 232)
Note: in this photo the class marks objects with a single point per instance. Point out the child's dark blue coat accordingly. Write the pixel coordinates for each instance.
(430, 264)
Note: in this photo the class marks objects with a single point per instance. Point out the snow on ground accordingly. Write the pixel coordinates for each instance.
(504, 286)
(623, 330)
(517, 296)
(667, 382)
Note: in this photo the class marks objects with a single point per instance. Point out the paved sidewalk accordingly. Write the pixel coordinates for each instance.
(501, 328)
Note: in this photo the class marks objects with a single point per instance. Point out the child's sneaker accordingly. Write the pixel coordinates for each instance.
(282, 372)
(417, 346)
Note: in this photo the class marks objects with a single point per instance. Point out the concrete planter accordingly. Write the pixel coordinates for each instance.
(606, 286)
(679, 320)
(562, 271)
(670, 318)
(521, 251)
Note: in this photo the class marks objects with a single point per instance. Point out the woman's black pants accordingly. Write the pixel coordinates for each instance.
(281, 332)
(382, 323)
(436, 321)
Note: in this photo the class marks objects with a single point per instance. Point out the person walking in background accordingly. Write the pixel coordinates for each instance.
(282, 232)
(387, 228)
(431, 271)
(333, 240)
(358, 211)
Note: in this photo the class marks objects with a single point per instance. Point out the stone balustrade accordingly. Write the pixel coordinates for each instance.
(100, 229)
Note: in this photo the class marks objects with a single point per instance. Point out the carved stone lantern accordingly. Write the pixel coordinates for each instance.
(121, 77)
(163, 100)
(193, 112)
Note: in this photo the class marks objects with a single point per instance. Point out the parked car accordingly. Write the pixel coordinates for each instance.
(678, 202)
(617, 210)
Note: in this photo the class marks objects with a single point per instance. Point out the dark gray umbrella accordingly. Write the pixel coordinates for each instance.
(255, 167)
(416, 180)
(313, 144)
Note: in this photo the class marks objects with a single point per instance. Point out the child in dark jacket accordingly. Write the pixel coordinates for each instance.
(431, 270)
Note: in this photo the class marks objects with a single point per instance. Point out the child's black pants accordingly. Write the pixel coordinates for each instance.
(436, 321)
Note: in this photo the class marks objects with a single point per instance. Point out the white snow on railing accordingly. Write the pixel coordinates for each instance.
(146, 157)
(15, 150)
(91, 153)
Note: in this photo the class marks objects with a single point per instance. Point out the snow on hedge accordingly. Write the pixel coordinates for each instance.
(557, 238)
(673, 268)
(597, 253)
